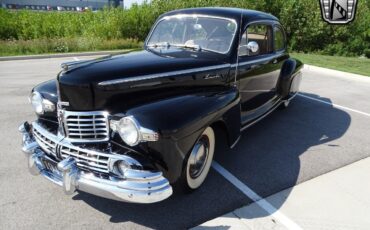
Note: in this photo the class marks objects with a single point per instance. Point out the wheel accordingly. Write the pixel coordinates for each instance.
(198, 162)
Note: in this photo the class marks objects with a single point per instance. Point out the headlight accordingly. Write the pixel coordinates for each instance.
(131, 132)
(41, 105)
(36, 101)
(128, 129)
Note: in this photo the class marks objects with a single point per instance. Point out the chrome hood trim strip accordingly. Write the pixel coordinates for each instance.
(162, 75)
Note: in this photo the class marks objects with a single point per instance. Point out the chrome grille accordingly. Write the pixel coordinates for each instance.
(86, 126)
(45, 143)
(88, 159)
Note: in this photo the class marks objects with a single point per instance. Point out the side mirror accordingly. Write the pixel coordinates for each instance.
(253, 46)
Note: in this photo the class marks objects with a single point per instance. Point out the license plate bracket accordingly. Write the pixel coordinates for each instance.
(51, 166)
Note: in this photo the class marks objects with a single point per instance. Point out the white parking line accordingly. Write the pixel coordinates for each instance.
(334, 105)
(76, 59)
(271, 210)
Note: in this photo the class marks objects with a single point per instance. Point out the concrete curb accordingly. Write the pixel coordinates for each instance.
(46, 56)
(331, 71)
(342, 191)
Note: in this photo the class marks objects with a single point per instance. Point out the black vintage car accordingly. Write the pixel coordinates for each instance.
(131, 126)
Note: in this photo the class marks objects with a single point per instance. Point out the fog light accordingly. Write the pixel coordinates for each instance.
(119, 167)
(123, 166)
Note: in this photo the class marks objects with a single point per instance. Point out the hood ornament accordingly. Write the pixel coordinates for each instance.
(66, 66)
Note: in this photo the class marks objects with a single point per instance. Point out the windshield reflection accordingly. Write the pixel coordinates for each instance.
(194, 32)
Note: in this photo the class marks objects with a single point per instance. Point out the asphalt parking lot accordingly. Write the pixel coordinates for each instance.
(288, 147)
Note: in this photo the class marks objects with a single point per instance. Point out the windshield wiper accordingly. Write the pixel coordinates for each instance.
(197, 48)
(160, 45)
(168, 45)
(193, 47)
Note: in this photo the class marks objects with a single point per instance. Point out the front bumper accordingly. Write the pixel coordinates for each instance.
(137, 186)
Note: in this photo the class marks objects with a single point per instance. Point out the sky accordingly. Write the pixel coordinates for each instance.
(128, 3)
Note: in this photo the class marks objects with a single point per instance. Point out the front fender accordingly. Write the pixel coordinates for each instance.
(181, 119)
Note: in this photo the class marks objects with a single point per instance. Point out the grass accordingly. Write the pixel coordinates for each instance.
(64, 45)
(80, 44)
(347, 64)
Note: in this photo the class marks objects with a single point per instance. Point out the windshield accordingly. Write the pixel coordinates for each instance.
(197, 32)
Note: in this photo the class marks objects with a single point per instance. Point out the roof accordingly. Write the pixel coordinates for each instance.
(234, 13)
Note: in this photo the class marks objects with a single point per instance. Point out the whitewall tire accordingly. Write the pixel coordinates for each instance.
(200, 159)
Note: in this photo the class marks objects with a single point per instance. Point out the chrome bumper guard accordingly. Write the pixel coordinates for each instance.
(138, 186)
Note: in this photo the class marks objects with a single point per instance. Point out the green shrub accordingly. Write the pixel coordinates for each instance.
(306, 30)
(62, 45)
(367, 53)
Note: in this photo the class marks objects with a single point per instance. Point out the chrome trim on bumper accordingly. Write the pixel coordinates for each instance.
(138, 186)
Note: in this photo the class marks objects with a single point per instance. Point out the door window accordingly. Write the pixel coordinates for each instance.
(259, 33)
(279, 39)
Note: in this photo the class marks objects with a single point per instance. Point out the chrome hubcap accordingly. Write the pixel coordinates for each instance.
(198, 157)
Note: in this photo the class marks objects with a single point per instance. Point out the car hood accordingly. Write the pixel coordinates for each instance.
(80, 83)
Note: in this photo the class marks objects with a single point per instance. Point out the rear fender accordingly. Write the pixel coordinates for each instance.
(290, 78)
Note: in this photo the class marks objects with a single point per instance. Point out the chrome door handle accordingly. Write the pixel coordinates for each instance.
(274, 61)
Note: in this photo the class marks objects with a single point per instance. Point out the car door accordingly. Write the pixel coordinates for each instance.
(258, 72)
(280, 48)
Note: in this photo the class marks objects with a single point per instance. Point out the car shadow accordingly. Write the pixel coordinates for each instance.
(289, 147)
(268, 159)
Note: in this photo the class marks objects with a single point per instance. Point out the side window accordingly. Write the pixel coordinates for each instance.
(279, 39)
(262, 35)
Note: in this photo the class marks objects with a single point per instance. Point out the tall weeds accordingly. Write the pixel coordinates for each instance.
(67, 31)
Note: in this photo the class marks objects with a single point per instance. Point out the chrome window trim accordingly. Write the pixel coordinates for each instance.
(264, 59)
(281, 28)
(161, 75)
(272, 23)
(196, 15)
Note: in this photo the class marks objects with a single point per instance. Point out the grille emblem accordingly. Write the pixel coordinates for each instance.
(60, 114)
(338, 11)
